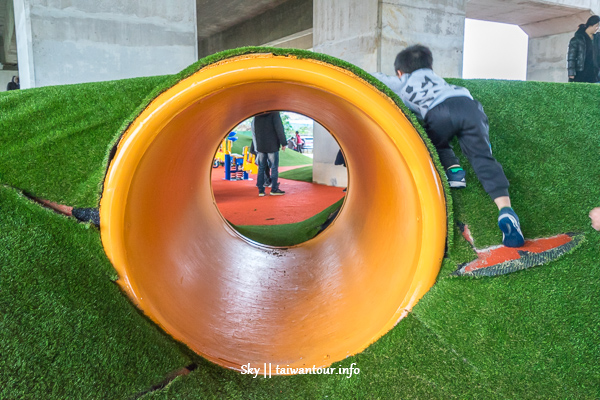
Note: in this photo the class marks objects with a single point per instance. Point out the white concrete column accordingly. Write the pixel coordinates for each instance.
(348, 29)
(370, 33)
(325, 171)
(549, 42)
(547, 58)
(437, 24)
(64, 42)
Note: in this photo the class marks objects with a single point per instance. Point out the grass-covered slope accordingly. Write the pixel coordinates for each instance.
(54, 141)
(285, 235)
(545, 135)
(304, 174)
(67, 332)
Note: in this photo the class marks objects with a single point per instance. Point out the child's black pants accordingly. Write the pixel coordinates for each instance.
(465, 119)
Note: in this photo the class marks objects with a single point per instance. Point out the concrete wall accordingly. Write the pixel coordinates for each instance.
(348, 29)
(284, 20)
(549, 38)
(547, 58)
(300, 40)
(5, 77)
(437, 24)
(63, 42)
(9, 40)
(324, 170)
(369, 33)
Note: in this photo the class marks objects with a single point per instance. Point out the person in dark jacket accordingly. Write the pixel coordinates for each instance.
(253, 151)
(583, 57)
(13, 84)
(268, 137)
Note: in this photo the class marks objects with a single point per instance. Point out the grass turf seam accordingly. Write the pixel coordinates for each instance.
(448, 346)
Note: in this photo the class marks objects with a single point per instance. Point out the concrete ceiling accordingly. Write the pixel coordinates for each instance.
(536, 18)
(215, 16)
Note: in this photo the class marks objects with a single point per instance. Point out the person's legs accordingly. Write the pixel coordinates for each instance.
(261, 158)
(474, 140)
(440, 129)
(268, 173)
(475, 144)
(274, 162)
(274, 158)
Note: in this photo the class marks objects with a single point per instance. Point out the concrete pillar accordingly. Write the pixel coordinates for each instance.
(437, 24)
(325, 149)
(64, 42)
(369, 33)
(547, 58)
(8, 56)
(549, 38)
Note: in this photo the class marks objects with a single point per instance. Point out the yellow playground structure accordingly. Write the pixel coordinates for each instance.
(238, 167)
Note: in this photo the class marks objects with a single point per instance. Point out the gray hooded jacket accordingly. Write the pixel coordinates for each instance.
(422, 90)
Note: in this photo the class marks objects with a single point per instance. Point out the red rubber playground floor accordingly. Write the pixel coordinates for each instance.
(239, 203)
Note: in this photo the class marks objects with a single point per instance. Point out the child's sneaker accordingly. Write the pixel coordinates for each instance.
(261, 194)
(277, 192)
(508, 222)
(456, 177)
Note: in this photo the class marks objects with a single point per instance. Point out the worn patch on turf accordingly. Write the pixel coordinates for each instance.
(500, 260)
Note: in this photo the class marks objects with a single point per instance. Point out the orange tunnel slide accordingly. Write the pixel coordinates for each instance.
(235, 301)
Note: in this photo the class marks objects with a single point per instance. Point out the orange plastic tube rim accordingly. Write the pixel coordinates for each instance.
(237, 302)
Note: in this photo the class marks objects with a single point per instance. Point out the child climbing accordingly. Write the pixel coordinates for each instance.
(448, 111)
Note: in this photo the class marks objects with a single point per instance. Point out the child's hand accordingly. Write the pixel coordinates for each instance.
(595, 216)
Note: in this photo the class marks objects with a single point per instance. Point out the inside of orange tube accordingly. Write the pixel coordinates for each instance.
(238, 302)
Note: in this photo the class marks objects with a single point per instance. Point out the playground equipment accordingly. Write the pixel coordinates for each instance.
(225, 148)
(235, 301)
(249, 164)
(237, 167)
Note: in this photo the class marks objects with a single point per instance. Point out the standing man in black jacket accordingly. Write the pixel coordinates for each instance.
(583, 57)
(13, 84)
(269, 136)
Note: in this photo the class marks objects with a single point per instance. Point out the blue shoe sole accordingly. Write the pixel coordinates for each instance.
(511, 231)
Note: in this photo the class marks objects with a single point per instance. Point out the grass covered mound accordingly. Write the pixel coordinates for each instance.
(285, 235)
(67, 332)
(545, 136)
(304, 174)
(54, 141)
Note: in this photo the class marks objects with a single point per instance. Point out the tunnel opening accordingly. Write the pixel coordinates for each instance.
(236, 301)
(300, 208)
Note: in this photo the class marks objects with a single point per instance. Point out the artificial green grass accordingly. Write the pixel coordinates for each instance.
(291, 158)
(66, 330)
(99, 114)
(54, 141)
(410, 362)
(544, 136)
(285, 235)
(531, 334)
(304, 174)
